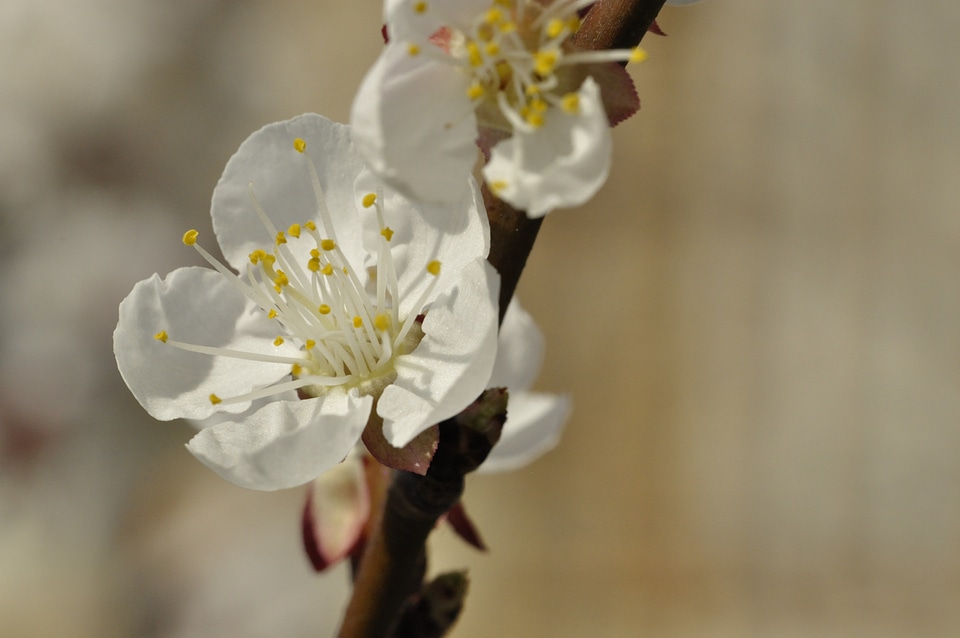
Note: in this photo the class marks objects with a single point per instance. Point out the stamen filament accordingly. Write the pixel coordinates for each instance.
(286, 386)
(235, 354)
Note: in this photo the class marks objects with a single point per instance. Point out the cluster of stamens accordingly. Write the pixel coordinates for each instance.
(346, 335)
(513, 52)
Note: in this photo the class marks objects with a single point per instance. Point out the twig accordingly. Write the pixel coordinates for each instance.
(395, 556)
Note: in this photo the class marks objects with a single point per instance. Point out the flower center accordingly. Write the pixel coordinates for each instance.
(346, 335)
(515, 51)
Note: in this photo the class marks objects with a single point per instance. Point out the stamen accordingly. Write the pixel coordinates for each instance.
(554, 28)
(545, 61)
(612, 55)
(280, 388)
(475, 91)
(235, 354)
(570, 103)
(434, 269)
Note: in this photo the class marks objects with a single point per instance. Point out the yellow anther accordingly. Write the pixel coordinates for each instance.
(499, 186)
(554, 28)
(387, 233)
(434, 268)
(345, 271)
(161, 336)
(382, 322)
(296, 369)
(357, 322)
(508, 27)
(539, 105)
(278, 341)
(190, 237)
(310, 225)
(309, 344)
(473, 54)
(484, 32)
(327, 269)
(570, 103)
(369, 200)
(328, 244)
(475, 91)
(257, 256)
(281, 238)
(420, 7)
(504, 72)
(492, 48)
(324, 309)
(534, 119)
(531, 90)
(638, 55)
(214, 399)
(272, 314)
(281, 279)
(314, 252)
(294, 230)
(314, 264)
(413, 50)
(573, 23)
(494, 15)
(544, 62)
(268, 259)
(300, 145)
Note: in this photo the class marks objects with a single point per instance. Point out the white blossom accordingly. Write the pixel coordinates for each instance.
(507, 65)
(341, 303)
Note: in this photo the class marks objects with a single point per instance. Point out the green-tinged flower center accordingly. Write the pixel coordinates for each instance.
(346, 335)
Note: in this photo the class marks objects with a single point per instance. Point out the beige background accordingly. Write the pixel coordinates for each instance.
(757, 320)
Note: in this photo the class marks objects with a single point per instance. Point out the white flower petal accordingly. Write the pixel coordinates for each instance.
(415, 126)
(220, 417)
(561, 164)
(285, 444)
(520, 349)
(454, 235)
(452, 364)
(280, 178)
(533, 427)
(200, 307)
(404, 21)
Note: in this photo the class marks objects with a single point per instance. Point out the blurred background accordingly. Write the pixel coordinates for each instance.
(757, 319)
